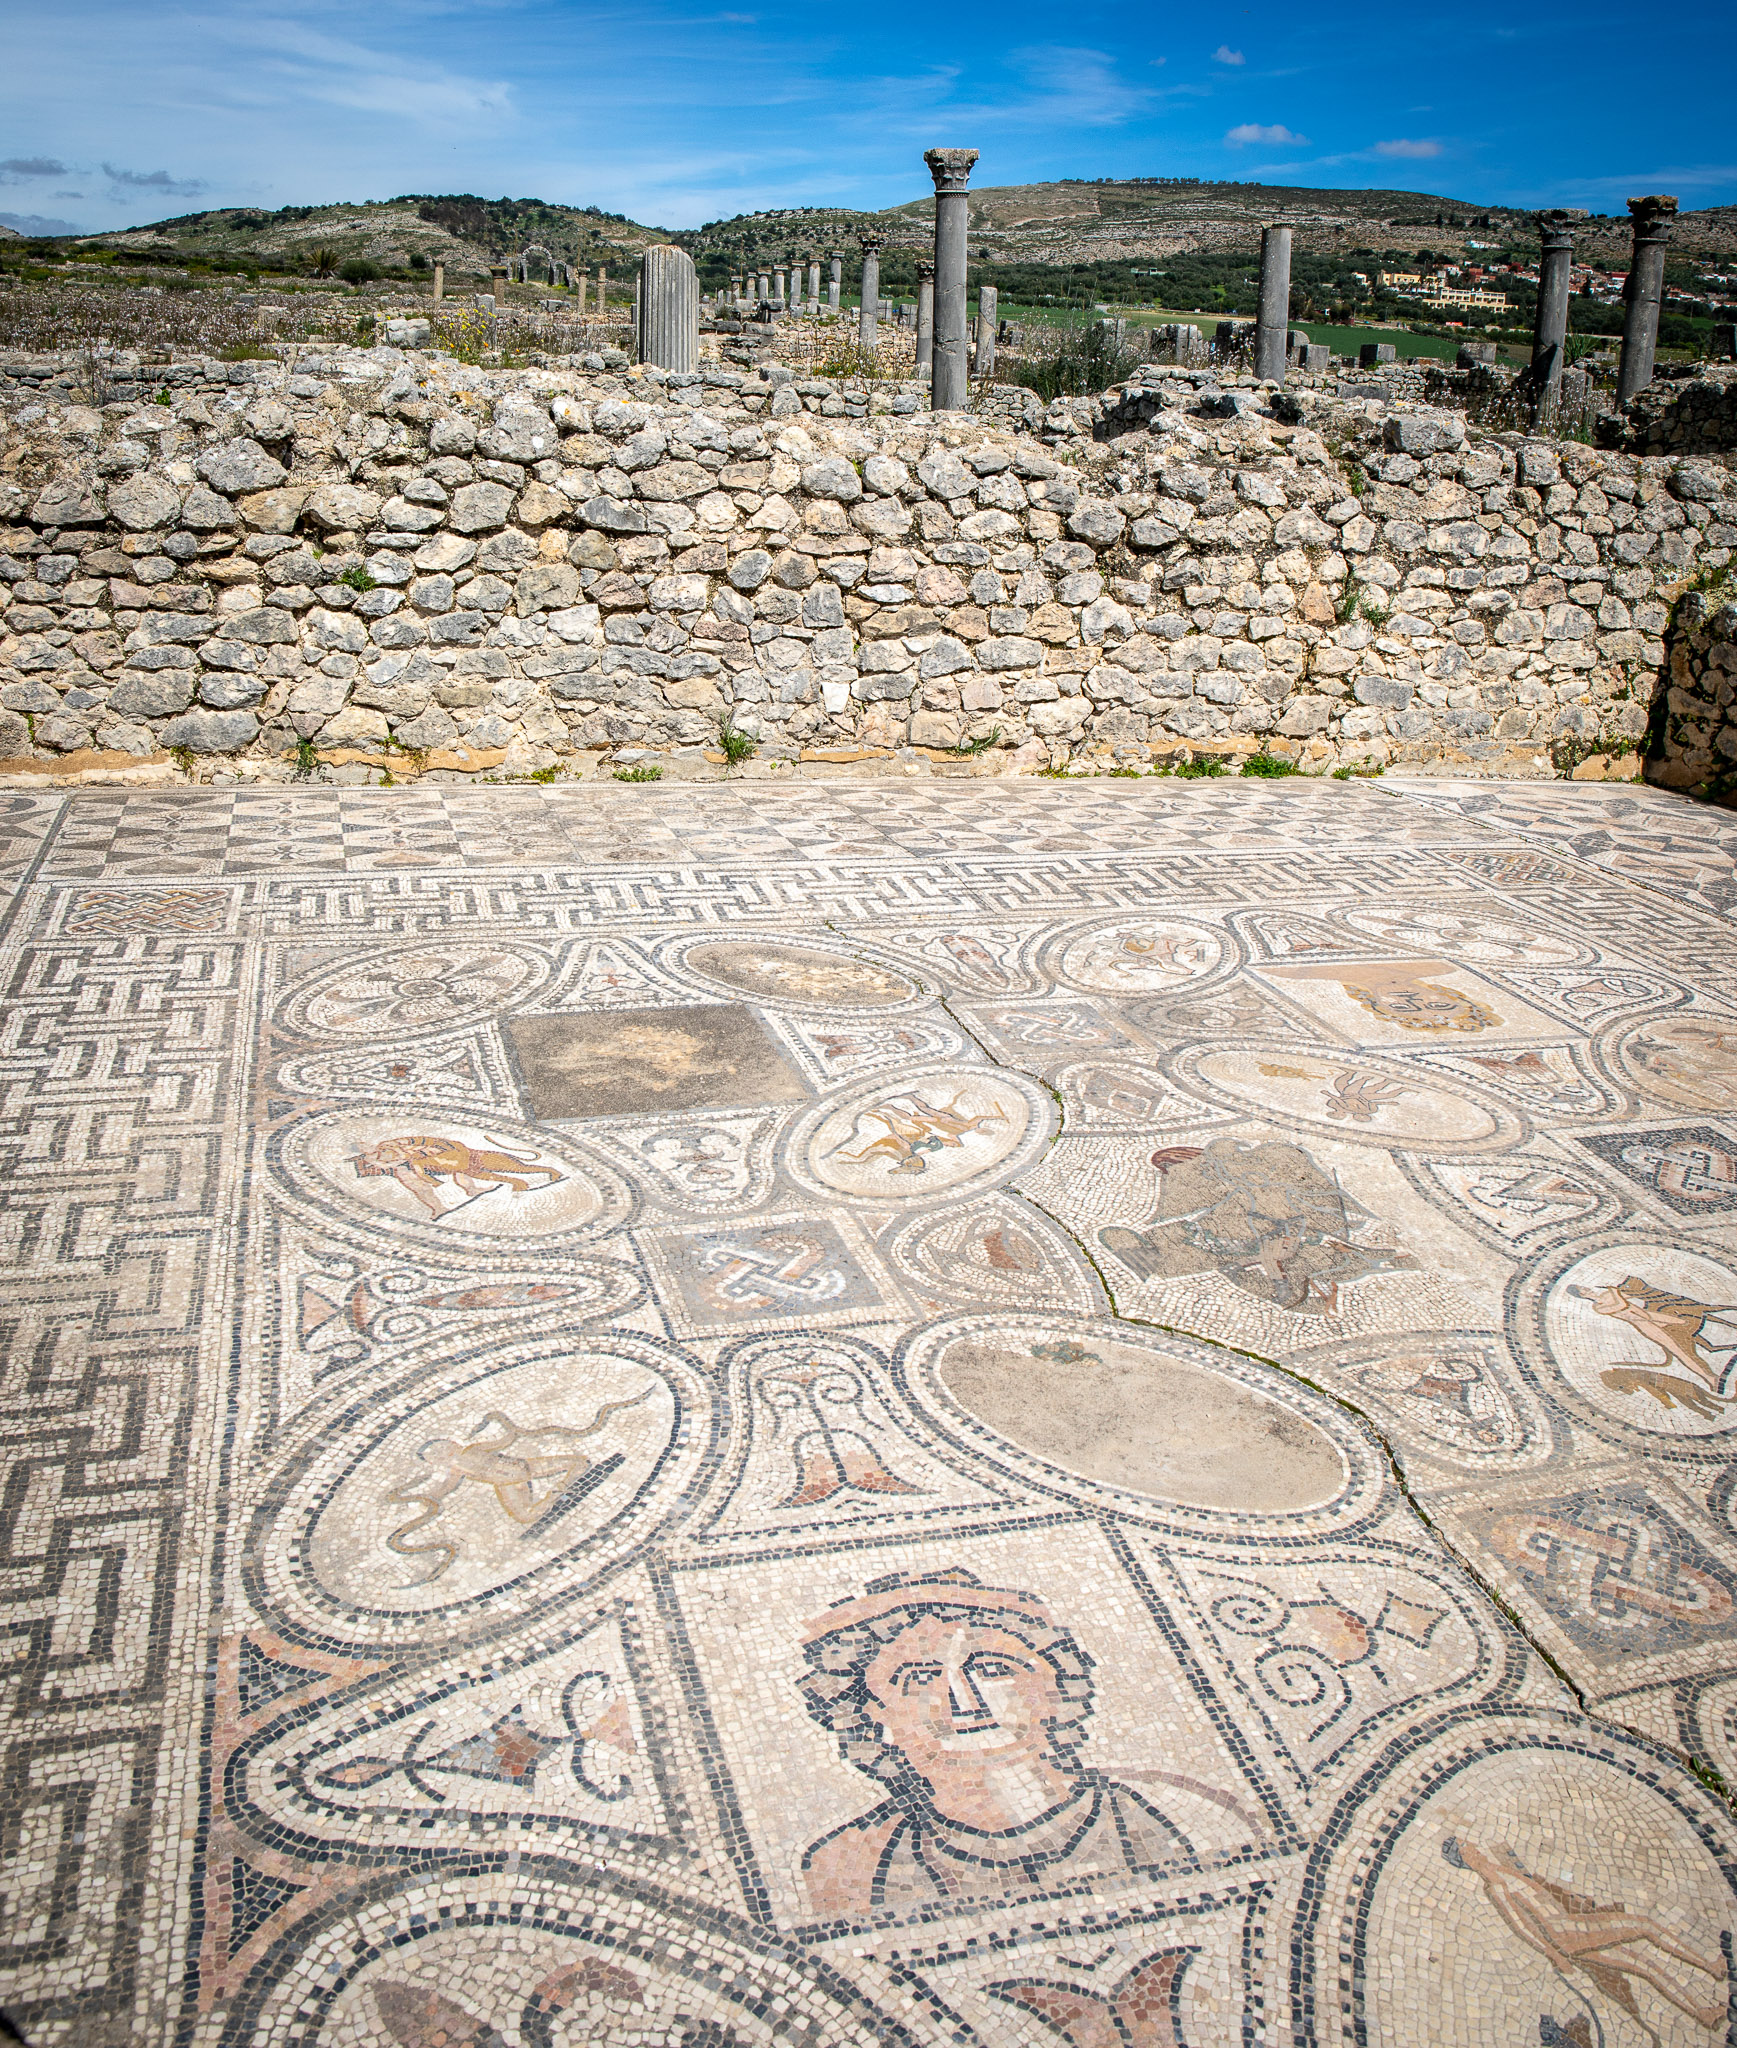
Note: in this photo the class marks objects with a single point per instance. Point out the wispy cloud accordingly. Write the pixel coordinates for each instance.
(35, 167)
(1404, 146)
(1253, 131)
(1224, 54)
(153, 181)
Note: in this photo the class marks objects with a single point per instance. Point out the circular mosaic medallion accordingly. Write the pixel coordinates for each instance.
(1686, 1059)
(1138, 955)
(454, 1178)
(432, 986)
(1647, 1333)
(940, 1132)
(1530, 1883)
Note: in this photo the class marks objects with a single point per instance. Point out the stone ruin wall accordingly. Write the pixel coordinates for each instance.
(375, 562)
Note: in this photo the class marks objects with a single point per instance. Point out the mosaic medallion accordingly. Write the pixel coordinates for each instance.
(395, 991)
(1647, 1333)
(454, 1178)
(804, 976)
(939, 1132)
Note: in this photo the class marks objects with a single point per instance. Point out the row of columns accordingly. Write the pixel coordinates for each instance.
(1651, 215)
(1640, 331)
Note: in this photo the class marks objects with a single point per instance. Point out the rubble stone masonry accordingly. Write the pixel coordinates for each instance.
(374, 561)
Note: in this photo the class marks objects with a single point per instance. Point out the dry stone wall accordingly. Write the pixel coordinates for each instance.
(373, 562)
(1695, 718)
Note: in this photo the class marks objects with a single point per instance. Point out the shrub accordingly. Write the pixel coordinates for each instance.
(1269, 764)
(358, 270)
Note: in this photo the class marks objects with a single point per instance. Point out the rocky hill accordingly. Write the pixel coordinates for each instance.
(457, 229)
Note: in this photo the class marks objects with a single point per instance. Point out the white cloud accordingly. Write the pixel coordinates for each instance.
(1403, 146)
(1252, 131)
(1224, 54)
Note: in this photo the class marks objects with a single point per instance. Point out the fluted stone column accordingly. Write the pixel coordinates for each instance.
(1550, 329)
(867, 324)
(814, 284)
(1645, 288)
(925, 317)
(835, 282)
(950, 375)
(765, 287)
(669, 309)
(1273, 320)
(988, 310)
(778, 292)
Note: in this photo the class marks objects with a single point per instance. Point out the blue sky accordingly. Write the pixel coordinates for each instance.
(120, 113)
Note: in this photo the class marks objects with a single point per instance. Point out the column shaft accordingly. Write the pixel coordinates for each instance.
(950, 375)
(1550, 329)
(1274, 318)
(988, 311)
(1646, 286)
(867, 329)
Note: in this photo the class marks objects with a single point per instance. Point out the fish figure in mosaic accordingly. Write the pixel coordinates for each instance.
(1141, 2011)
(511, 1475)
(1680, 1326)
(967, 1703)
(912, 1127)
(1266, 1216)
(1606, 1944)
(821, 1406)
(422, 1164)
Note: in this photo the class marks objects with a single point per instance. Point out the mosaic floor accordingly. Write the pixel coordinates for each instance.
(981, 1414)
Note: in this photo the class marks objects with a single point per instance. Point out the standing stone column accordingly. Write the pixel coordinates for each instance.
(1645, 288)
(602, 293)
(950, 372)
(1550, 329)
(439, 282)
(925, 317)
(835, 282)
(1273, 322)
(988, 310)
(814, 284)
(765, 287)
(867, 317)
(579, 284)
(498, 279)
(669, 309)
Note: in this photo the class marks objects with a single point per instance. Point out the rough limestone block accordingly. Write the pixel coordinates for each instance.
(143, 502)
(236, 466)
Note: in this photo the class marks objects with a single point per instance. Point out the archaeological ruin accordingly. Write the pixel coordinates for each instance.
(368, 562)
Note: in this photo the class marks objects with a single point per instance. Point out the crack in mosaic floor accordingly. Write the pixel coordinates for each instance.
(832, 1414)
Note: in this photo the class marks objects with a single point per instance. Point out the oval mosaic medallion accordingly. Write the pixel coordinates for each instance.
(451, 1177)
(1143, 1418)
(929, 1134)
(808, 976)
